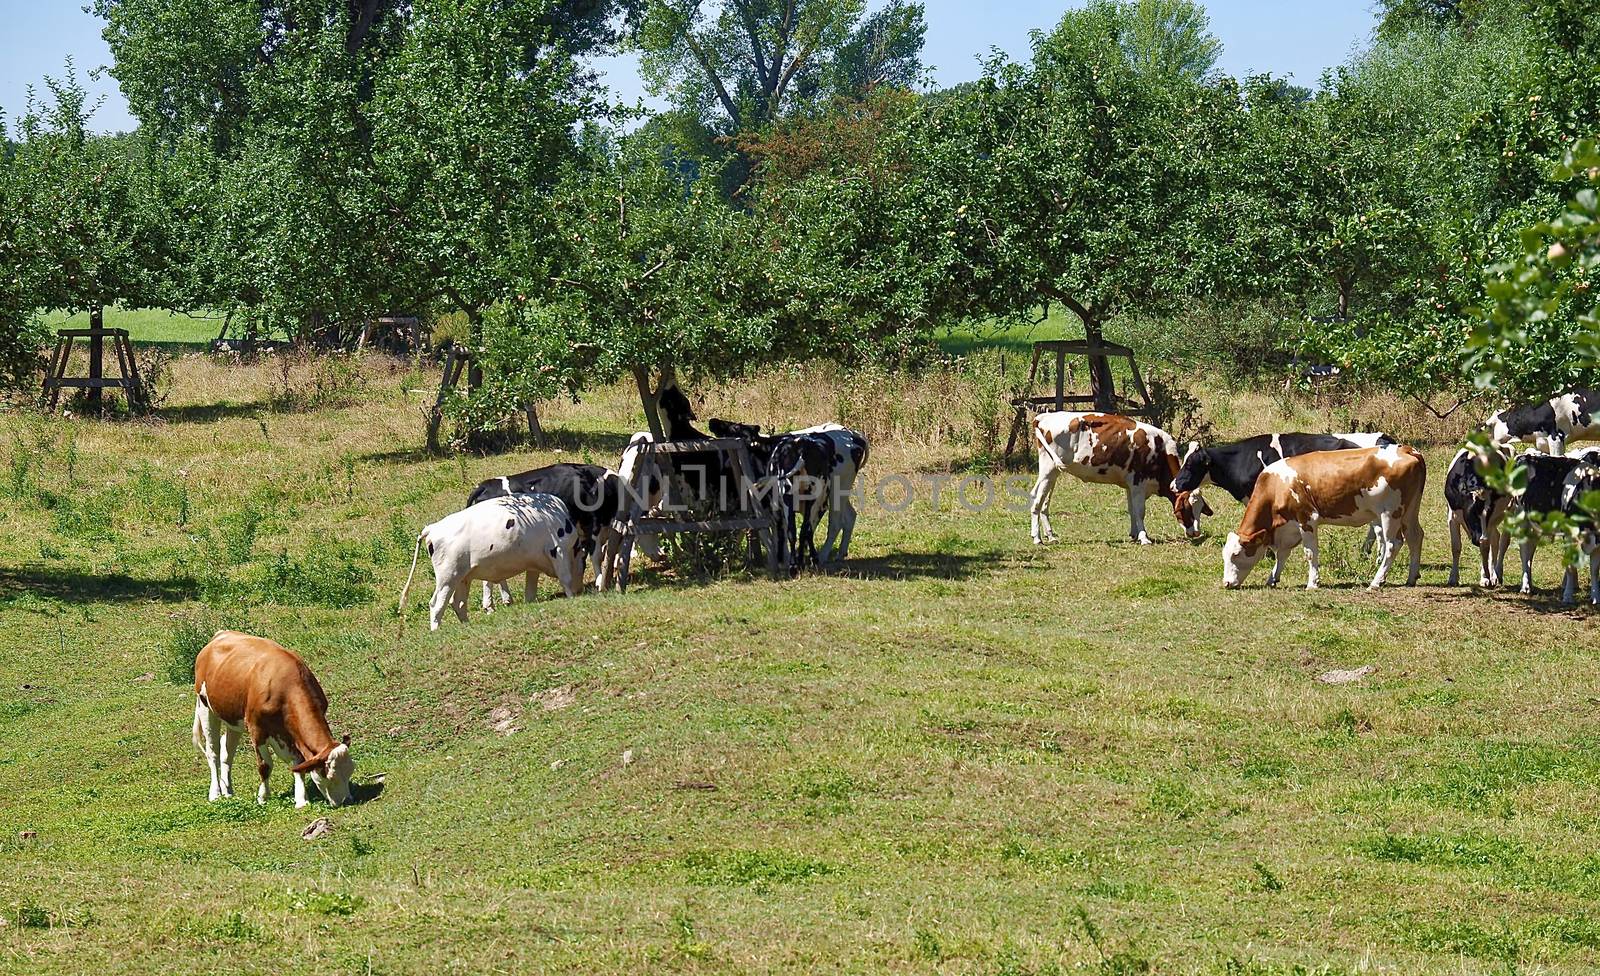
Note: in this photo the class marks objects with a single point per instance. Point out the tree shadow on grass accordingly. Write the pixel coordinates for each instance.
(67, 586)
(210, 413)
(920, 565)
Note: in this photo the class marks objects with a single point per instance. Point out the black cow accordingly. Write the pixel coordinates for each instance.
(796, 469)
(1235, 467)
(1477, 508)
(705, 473)
(1557, 484)
(1548, 426)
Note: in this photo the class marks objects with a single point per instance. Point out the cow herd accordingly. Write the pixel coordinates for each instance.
(546, 522)
(550, 521)
(1293, 484)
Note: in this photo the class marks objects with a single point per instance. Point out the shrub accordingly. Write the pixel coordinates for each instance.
(187, 635)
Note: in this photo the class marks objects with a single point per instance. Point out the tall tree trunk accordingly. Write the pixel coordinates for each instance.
(647, 399)
(1101, 379)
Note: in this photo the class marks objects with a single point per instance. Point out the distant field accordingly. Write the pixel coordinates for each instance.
(151, 325)
(1017, 339)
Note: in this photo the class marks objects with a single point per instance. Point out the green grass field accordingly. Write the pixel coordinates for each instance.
(963, 754)
(147, 325)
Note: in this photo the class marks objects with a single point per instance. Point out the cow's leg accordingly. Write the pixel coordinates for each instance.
(230, 748)
(208, 738)
(1527, 548)
(300, 800)
(1367, 543)
(530, 586)
(1413, 531)
(1569, 585)
(1455, 549)
(1280, 556)
(436, 606)
(1136, 499)
(458, 599)
(1594, 576)
(1042, 488)
(263, 764)
(848, 528)
(1389, 531)
(1308, 539)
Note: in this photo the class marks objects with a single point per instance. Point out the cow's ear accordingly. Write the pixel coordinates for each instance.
(312, 763)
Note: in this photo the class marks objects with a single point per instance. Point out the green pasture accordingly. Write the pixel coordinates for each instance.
(960, 754)
(147, 325)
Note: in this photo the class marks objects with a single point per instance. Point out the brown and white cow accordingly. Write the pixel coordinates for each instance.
(1294, 497)
(1106, 449)
(251, 684)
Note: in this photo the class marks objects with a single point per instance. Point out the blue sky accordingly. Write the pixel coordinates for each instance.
(1299, 39)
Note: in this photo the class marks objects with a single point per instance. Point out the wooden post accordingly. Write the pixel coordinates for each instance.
(97, 351)
(1061, 379)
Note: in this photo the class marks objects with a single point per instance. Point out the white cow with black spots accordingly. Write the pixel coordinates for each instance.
(495, 541)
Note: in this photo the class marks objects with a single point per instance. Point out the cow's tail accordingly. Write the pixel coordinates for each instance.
(199, 731)
(416, 551)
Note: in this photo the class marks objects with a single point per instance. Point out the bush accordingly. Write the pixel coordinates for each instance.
(186, 637)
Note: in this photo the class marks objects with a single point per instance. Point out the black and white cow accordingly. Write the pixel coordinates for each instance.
(1477, 509)
(592, 494)
(1556, 483)
(493, 541)
(642, 487)
(797, 470)
(850, 454)
(1549, 426)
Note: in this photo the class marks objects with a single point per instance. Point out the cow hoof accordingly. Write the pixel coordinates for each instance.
(1455, 580)
(1313, 586)
(1144, 540)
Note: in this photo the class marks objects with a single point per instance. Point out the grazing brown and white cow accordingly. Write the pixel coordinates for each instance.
(494, 541)
(251, 684)
(1106, 449)
(1294, 497)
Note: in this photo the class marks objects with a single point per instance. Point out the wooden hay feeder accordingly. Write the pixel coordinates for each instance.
(753, 517)
(1102, 395)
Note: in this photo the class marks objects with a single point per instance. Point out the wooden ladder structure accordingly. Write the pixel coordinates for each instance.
(456, 362)
(127, 380)
(759, 521)
(1102, 395)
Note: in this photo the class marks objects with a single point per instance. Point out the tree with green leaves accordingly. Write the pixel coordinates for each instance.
(1081, 178)
(654, 276)
(89, 208)
(1172, 38)
(741, 66)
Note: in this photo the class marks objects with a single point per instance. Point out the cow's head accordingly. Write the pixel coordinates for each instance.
(330, 772)
(1194, 470)
(729, 428)
(1240, 555)
(1190, 507)
(1187, 504)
